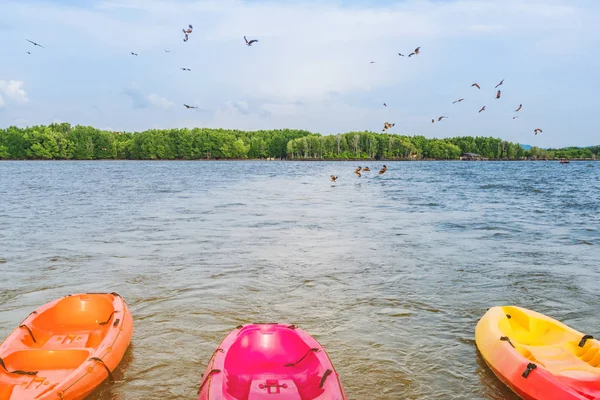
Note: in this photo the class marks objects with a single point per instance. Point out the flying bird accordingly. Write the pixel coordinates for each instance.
(357, 171)
(385, 104)
(401, 55)
(186, 32)
(415, 53)
(476, 85)
(501, 82)
(249, 43)
(498, 94)
(457, 101)
(432, 120)
(185, 69)
(482, 109)
(333, 178)
(167, 51)
(372, 62)
(515, 117)
(35, 44)
(28, 52)
(382, 171)
(387, 126)
(133, 54)
(186, 106)
(442, 117)
(519, 109)
(537, 130)
(366, 169)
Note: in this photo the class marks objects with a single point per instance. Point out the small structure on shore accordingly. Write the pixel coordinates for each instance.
(470, 156)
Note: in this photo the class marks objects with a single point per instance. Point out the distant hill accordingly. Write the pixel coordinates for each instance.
(526, 146)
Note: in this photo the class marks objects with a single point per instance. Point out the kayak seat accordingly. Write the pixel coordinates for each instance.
(78, 321)
(34, 360)
(589, 353)
(272, 354)
(559, 360)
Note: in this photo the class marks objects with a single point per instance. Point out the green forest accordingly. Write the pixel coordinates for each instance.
(66, 142)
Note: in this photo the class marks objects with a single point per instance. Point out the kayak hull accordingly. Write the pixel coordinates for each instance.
(270, 361)
(66, 348)
(537, 356)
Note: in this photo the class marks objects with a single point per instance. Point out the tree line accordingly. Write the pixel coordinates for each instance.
(66, 142)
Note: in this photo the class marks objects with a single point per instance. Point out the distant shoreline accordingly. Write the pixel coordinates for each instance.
(300, 160)
(66, 142)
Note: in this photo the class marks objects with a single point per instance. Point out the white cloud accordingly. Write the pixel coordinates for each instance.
(141, 100)
(159, 101)
(12, 91)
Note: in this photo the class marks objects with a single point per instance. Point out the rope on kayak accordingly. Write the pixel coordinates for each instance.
(507, 339)
(216, 351)
(28, 330)
(584, 339)
(303, 357)
(292, 327)
(110, 375)
(116, 322)
(325, 375)
(18, 371)
(207, 377)
(109, 318)
(530, 367)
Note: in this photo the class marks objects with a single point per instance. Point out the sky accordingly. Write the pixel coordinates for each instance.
(311, 68)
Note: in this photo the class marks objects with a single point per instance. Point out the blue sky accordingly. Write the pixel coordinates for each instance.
(311, 67)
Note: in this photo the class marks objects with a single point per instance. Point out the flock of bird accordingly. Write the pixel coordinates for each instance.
(334, 178)
(186, 36)
(387, 125)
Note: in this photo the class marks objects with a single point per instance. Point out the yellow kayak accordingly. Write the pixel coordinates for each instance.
(539, 357)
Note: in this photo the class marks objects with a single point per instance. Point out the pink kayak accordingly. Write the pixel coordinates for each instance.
(270, 361)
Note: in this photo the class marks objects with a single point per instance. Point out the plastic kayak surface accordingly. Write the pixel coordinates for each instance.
(539, 357)
(270, 361)
(66, 348)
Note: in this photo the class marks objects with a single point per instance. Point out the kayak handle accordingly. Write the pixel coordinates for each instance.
(207, 377)
(584, 339)
(18, 372)
(530, 367)
(29, 330)
(325, 375)
(507, 339)
(110, 375)
(303, 357)
(109, 318)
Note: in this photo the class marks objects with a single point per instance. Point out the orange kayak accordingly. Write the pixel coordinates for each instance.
(537, 356)
(66, 348)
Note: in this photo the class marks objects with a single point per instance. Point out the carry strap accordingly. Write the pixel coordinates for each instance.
(110, 375)
(18, 371)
